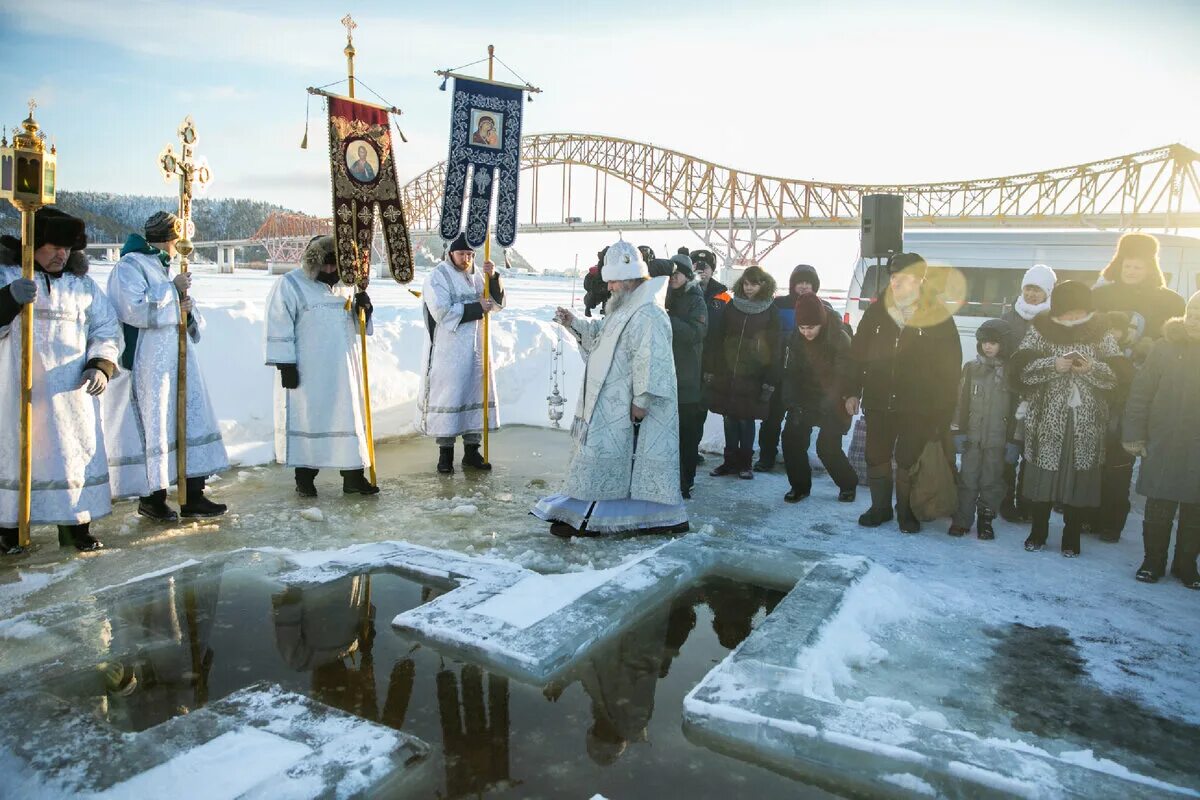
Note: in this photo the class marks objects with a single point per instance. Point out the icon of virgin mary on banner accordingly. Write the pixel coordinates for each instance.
(364, 177)
(485, 159)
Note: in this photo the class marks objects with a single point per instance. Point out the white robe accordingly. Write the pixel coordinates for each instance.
(320, 423)
(73, 323)
(451, 395)
(628, 360)
(139, 408)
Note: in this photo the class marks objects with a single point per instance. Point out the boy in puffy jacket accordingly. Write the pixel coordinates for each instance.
(983, 430)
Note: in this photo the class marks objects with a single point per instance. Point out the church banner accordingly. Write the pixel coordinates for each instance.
(363, 169)
(485, 158)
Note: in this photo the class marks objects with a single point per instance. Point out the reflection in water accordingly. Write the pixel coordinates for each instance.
(733, 608)
(474, 730)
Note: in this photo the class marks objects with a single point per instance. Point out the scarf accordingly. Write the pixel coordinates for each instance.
(748, 306)
(1027, 310)
(136, 243)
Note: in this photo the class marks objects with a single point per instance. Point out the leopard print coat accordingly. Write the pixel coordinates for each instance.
(1050, 393)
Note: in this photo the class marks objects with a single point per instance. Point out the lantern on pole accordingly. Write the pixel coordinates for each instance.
(27, 180)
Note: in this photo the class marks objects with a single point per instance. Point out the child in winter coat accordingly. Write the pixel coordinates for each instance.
(1162, 425)
(1036, 286)
(1067, 365)
(983, 428)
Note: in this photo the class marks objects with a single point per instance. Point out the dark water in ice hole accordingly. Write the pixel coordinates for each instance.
(613, 726)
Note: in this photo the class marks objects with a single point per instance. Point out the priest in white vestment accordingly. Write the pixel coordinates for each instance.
(623, 474)
(139, 409)
(75, 349)
(313, 341)
(450, 401)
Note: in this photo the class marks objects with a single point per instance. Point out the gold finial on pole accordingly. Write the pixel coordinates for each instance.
(350, 24)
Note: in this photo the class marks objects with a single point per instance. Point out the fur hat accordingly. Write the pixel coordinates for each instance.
(624, 262)
(317, 254)
(702, 259)
(661, 268)
(1070, 296)
(1135, 245)
(161, 227)
(647, 253)
(459, 244)
(995, 330)
(683, 263)
(51, 226)
(809, 310)
(805, 273)
(1041, 276)
(907, 261)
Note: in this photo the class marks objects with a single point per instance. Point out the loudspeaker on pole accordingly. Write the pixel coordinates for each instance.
(882, 225)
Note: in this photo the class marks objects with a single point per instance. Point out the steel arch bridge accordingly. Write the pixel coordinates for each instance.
(744, 215)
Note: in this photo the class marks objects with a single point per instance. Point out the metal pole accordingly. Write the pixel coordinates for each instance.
(184, 247)
(487, 295)
(362, 333)
(25, 504)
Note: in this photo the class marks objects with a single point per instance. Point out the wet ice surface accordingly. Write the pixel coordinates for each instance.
(1072, 657)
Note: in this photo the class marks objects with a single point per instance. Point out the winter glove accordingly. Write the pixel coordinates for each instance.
(94, 381)
(289, 376)
(363, 303)
(1135, 448)
(1012, 451)
(23, 291)
(960, 442)
(765, 395)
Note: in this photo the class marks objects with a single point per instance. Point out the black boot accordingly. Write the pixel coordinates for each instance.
(907, 521)
(154, 506)
(354, 481)
(848, 495)
(10, 542)
(473, 458)
(879, 480)
(766, 461)
(1156, 540)
(305, 477)
(81, 537)
(729, 466)
(1041, 526)
(446, 460)
(983, 523)
(1187, 548)
(197, 504)
(1073, 518)
(795, 495)
(745, 470)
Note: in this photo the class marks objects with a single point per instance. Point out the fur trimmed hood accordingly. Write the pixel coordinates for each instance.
(10, 255)
(1089, 332)
(1179, 330)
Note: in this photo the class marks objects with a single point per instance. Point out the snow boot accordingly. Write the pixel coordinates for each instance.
(445, 465)
(354, 481)
(904, 514)
(848, 495)
(81, 537)
(563, 530)
(728, 466)
(304, 481)
(1187, 547)
(766, 461)
(1073, 518)
(154, 506)
(745, 471)
(958, 531)
(795, 496)
(983, 523)
(1156, 540)
(1041, 526)
(473, 458)
(197, 504)
(10, 542)
(879, 480)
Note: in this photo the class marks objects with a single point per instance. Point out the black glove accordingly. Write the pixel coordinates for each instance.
(363, 303)
(289, 376)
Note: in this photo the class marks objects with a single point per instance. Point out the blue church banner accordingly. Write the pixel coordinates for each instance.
(485, 158)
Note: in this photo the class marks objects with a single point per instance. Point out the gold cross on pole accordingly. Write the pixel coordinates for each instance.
(32, 107)
(350, 24)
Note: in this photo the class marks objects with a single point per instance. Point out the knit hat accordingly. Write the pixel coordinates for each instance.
(809, 310)
(623, 262)
(910, 262)
(683, 263)
(805, 273)
(162, 227)
(1070, 296)
(460, 244)
(51, 226)
(661, 267)
(1041, 276)
(702, 259)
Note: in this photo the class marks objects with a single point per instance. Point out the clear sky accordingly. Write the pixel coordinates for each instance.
(847, 91)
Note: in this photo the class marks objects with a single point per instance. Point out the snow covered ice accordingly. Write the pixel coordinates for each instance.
(897, 665)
